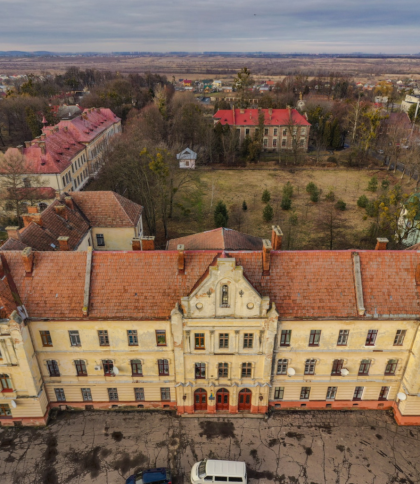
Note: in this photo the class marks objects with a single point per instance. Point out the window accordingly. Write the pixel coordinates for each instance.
(86, 394)
(100, 240)
(302, 142)
(225, 296)
(282, 367)
(139, 394)
(358, 392)
(314, 337)
(199, 341)
(275, 131)
(247, 132)
(364, 367)
(136, 368)
(283, 143)
(302, 131)
(132, 337)
(80, 367)
(220, 479)
(331, 393)
(46, 338)
(383, 394)
(223, 370)
(200, 370)
(74, 338)
(310, 367)
(5, 410)
(163, 367)
(165, 394)
(160, 337)
(265, 142)
(246, 370)
(278, 393)
(399, 337)
(223, 340)
(286, 334)
(235, 479)
(113, 394)
(304, 393)
(27, 182)
(103, 337)
(337, 366)
(371, 337)
(5, 383)
(53, 368)
(248, 340)
(274, 143)
(391, 367)
(108, 367)
(60, 395)
(284, 132)
(266, 132)
(343, 337)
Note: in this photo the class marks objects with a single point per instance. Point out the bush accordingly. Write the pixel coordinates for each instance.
(221, 216)
(288, 190)
(311, 187)
(362, 201)
(340, 205)
(373, 184)
(314, 196)
(244, 206)
(286, 203)
(266, 197)
(330, 196)
(385, 184)
(268, 213)
(371, 209)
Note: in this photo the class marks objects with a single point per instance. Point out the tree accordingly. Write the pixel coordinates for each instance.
(362, 201)
(268, 213)
(17, 187)
(244, 206)
(221, 215)
(288, 190)
(331, 227)
(373, 184)
(241, 84)
(266, 197)
(291, 231)
(412, 112)
(286, 203)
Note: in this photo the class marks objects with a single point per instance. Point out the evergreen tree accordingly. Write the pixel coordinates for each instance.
(266, 197)
(32, 122)
(268, 213)
(327, 134)
(244, 206)
(336, 136)
(221, 216)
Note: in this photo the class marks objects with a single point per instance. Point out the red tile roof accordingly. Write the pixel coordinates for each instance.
(249, 117)
(217, 239)
(147, 285)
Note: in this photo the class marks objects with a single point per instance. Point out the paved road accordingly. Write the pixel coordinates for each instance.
(288, 448)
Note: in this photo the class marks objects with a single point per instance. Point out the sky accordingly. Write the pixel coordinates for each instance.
(309, 26)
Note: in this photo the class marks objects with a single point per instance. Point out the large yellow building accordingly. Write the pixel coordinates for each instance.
(209, 330)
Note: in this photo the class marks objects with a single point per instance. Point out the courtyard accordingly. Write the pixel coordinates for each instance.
(353, 447)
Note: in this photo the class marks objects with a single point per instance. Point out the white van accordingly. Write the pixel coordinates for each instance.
(218, 471)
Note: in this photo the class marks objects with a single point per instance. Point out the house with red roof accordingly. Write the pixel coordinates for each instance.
(282, 127)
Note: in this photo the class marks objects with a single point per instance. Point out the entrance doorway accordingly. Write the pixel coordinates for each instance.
(222, 399)
(200, 399)
(244, 399)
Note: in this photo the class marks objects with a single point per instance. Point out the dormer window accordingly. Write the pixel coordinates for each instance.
(225, 296)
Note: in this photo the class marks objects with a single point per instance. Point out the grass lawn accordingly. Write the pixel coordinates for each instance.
(235, 186)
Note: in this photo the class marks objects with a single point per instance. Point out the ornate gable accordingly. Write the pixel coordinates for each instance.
(225, 293)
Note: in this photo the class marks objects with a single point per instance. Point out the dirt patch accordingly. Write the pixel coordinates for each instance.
(294, 435)
(125, 462)
(341, 448)
(7, 443)
(211, 430)
(51, 452)
(308, 451)
(117, 436)
(379, 437)
(50, 476)
(260, 474)
(273, 442)
(87, 462)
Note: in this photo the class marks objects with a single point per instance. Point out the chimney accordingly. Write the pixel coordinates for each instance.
(64, 243)
(266, 255)
(148, 243)
(36, 217)
(33, 209)
(42, 146)
(28, 260)
(65, 129)
(28, 144)
(270, 111)
(61, 211)
(12, 232)
(20, 148)
(58, 195)
(135, 244)
(43, 136)
(276, 237)
(69, 202)
(27, 219)
(181, 257)
(381, 244)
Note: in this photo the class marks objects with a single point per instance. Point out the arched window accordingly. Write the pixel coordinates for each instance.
(53, 368)
(136, 368)
(225, 295)
(163, 366)
(5, 383)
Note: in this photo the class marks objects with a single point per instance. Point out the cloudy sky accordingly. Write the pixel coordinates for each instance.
(316, 26)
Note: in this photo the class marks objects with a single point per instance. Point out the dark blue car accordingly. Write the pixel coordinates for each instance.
(161, 475)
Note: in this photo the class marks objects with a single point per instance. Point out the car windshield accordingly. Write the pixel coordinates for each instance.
(202, 469)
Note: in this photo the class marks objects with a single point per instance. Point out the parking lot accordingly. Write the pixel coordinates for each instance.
(289, 447)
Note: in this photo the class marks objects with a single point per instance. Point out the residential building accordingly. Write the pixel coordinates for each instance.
(78, 220)
(282, 127)
(187, 159)
(409, 101)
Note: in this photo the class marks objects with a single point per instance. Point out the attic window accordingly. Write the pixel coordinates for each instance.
(225, 296)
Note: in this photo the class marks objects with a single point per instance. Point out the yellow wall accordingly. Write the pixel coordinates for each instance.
(115, 238)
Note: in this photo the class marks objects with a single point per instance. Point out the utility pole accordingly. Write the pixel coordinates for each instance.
(356, 118)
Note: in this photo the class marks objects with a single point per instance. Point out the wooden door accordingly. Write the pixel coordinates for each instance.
(222, 399)
(200, 399)
(244, 399)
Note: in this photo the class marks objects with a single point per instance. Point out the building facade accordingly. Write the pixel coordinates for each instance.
(210, 331)
(284, 129)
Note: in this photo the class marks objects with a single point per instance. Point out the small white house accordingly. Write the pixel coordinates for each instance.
(187, 158)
